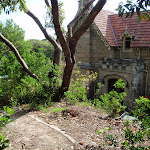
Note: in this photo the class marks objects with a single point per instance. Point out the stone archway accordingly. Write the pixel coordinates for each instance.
(110, 79)
(113, 77)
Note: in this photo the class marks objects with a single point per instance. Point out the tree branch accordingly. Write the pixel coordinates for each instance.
(48, 37)
(58, 30)
(88, 21)
(70, 25)
(15, 51)
(47, 3)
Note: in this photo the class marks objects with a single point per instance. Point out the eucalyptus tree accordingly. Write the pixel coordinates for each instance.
(67, 44)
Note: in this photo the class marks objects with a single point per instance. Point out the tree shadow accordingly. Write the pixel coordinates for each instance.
(19, 113)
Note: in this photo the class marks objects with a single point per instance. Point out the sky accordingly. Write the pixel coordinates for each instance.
(32, 31)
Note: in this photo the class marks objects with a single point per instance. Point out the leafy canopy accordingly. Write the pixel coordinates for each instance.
(137, 6)
(12, 5)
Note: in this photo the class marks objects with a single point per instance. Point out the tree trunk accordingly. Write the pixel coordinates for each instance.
(67, 77)
(57, 56)
(66, 82)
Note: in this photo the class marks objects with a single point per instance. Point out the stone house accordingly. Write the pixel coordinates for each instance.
(117, 48)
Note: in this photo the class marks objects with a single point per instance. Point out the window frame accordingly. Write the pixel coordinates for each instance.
(127, 41)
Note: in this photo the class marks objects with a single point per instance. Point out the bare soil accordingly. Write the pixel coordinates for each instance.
(79, 123)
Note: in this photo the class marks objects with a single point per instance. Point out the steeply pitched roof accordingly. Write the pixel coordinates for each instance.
(112, 26)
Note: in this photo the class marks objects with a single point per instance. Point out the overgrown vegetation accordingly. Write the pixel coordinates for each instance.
(79, 86)
(137, 131)
(4, 119)
(111, 102)
(16, 87)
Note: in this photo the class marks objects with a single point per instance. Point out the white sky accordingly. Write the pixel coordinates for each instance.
(32, 31)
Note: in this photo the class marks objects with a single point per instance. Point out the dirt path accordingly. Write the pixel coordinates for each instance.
(73, 129)
(30, 133)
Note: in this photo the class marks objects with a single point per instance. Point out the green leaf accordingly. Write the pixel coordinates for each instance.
(138, 11)
(132, 12)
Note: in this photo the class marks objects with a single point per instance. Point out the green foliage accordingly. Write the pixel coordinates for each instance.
(79, 86)
(43, 46)
(111, 140)
(5, 118)
(12, 5)
(141, 107)
(133, 139)
(111, 102)
(16, 87)
(141, 111)
(57, 110)
(3, 142)
(136, 132)
(97, 93)
(130, 8)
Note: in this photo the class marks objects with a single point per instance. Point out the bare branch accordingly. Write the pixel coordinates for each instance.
(48, 37)
(70, 25)
(58, 30)
(88, 21)
(15, 51)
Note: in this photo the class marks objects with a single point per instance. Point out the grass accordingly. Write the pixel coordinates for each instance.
(41, 107)
(57, 110)
(85, 104)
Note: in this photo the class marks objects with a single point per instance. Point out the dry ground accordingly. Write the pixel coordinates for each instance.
(80, 123)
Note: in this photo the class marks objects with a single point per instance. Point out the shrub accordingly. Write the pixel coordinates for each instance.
(16, 86)
(5, 118)
(111, 102)
(136, 132)
(79, 86)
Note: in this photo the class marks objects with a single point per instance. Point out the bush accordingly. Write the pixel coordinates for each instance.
(136, 132)
(16, 86)
(111, 102)
(79, 86)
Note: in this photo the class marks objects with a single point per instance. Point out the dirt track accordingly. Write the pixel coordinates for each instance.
(73, 129)
(29, 133)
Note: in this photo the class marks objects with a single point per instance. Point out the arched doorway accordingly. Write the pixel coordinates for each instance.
(111, 87)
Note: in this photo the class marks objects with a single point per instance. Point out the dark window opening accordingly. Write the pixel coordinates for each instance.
(111, 87)
(127, 43)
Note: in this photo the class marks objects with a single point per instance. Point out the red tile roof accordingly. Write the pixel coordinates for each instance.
(112, 26)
